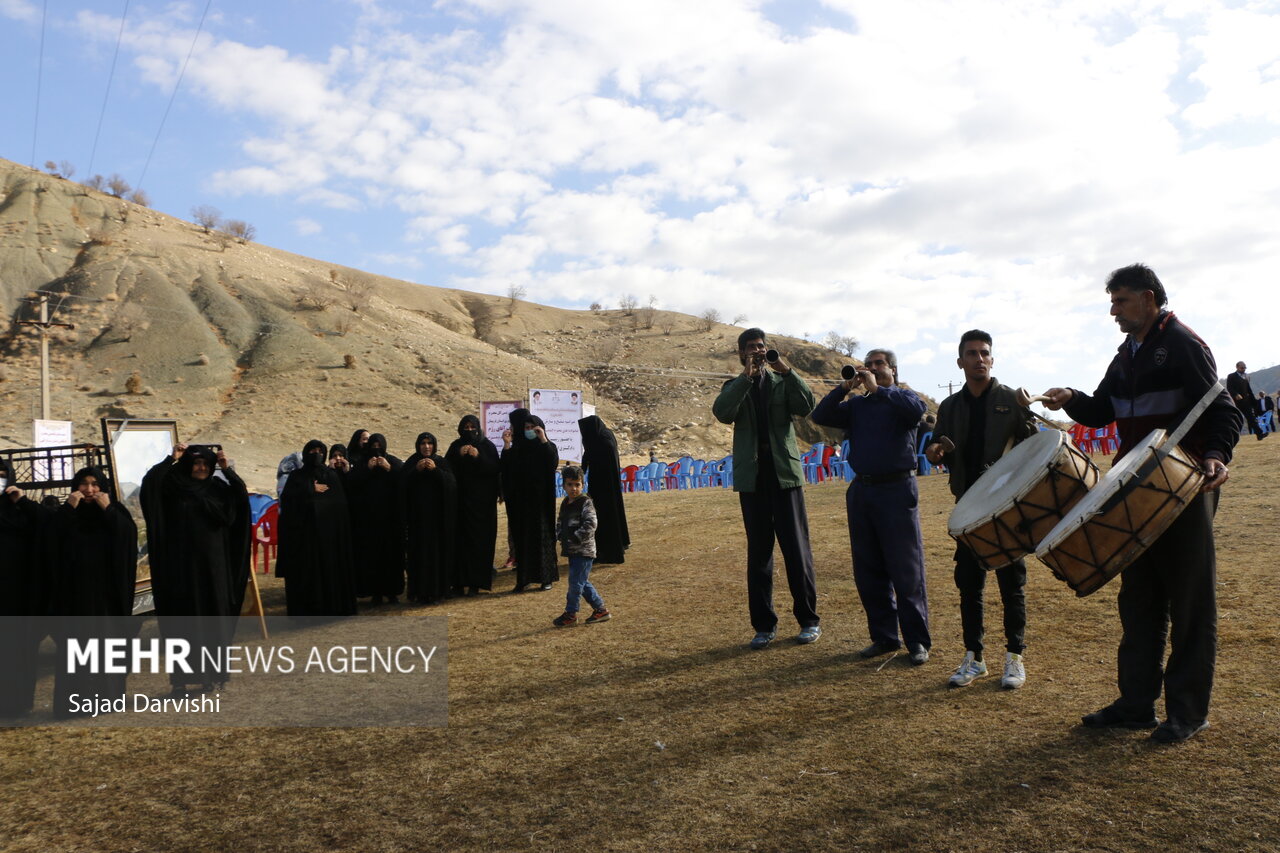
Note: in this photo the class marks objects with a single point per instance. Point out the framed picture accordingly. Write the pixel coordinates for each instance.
(134, 446)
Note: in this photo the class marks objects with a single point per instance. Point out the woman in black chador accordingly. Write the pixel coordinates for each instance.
(25, 578)
(355, 449)
(197, 512)
(96, 560)
(315, 540)
(474, 462)
(430, 520)
(529, 461)
(377, 528)
(600, 459)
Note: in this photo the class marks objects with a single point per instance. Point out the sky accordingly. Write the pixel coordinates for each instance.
(895, 172)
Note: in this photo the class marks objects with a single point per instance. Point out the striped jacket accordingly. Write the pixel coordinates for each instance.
(1155, 387)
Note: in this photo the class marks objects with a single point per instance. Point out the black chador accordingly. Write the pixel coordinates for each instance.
(529, 488)
(430, 521)
(96, 561)
(25, 580)
(600, 459)
(377, 530)
(474, 462)
(198, 541)
(315, 540)
(356, 447)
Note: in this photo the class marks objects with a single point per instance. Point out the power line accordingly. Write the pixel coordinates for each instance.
(93, 153)
(35, 125)
(174, 95)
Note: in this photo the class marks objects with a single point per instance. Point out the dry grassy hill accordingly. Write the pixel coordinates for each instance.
(246, 345)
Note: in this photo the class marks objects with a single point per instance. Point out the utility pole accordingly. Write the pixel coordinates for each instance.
(44, 325)
(950, 388)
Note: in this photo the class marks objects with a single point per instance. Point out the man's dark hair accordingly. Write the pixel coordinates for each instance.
(751, 334)
(1137, 277)
(974, 335)
(571, 472)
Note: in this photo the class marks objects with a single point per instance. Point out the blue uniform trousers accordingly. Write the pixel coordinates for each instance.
(888, 560)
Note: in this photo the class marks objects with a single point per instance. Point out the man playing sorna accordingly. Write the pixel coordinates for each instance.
(1160, 372)
(982, 421)
(767, 477)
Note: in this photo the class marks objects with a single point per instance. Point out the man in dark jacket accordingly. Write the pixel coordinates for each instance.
(767, 477)
(1160, 372)
(982, 421)
(1242, 395)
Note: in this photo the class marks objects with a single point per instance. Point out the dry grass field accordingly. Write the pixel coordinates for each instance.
(660, 730)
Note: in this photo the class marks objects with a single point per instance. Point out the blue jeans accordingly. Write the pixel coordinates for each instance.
(579, 585)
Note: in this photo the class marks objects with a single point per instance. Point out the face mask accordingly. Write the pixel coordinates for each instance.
(4, 483)
(530, 434)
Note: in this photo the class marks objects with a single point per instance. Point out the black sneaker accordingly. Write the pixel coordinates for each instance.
(1176, 731)
(1111, 718)
(601, 615)
(877, 648)
(564, 620)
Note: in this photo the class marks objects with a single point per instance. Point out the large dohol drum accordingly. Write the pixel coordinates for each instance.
(1130, 508)
(1021, 497)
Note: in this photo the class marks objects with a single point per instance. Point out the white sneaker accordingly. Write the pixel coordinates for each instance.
(967, 672)
(1015, 674)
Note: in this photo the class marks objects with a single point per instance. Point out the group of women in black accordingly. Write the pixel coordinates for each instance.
(356, 521)
(69, 571)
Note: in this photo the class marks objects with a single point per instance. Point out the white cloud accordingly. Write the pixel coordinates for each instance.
(20, 10)
(307, 227)
(935, 167)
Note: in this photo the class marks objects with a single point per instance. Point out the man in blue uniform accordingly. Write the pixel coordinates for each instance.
(884, 522)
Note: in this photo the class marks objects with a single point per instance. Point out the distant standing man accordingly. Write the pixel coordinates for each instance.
(1242, 395)
(1266, 404)
(1160, 372)
(983, 421)
(767, 476)
(884, 520)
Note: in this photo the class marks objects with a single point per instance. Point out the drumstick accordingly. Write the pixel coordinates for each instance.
(1025, 399)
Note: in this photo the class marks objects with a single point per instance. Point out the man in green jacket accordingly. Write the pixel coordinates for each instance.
(982, 421)
(767, 476)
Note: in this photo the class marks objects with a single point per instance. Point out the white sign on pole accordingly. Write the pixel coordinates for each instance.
(560, 411)
(51, 434)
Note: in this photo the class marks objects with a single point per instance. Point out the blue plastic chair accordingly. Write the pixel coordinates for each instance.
(684, 472)
(923, 465)
(812, 461)
(559, 484)
(258, 504)
(652, 477)
(726, 472)
(700, 478)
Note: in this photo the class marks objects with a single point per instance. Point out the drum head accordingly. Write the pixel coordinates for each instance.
(1009, 478)
(1112, 482)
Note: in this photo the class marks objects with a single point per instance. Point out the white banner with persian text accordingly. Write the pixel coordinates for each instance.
(560, 410)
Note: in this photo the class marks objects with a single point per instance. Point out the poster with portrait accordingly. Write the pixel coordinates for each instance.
(560, 410)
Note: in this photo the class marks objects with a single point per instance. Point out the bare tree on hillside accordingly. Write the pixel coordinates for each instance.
(359, 294)
(206, 216)
(515, 293)
(628, 304)
(97, 182)
(738, 320)
(117, 186)
(240, 230)
(845, 344)
(139, 196)
(596, 307)
(64, 169)
(315, 296)
(708, 319)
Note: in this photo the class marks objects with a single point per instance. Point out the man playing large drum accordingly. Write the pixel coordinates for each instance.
(1157, 376)
(982, 421)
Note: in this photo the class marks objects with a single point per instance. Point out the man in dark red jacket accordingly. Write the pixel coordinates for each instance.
(1160, 372)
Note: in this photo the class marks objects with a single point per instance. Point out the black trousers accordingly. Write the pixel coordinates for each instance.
(772, 514)
(1171, 585)
(971, 579)
(1251, 413)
